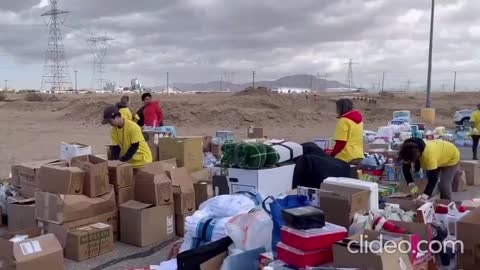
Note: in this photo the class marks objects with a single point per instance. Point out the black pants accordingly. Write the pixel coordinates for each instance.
(475, 139)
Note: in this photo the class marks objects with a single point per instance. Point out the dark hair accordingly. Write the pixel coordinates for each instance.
(125, 99)
(145, 95)
(410, 152)
(344, 105)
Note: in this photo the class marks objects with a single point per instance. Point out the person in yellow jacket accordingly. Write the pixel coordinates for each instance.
(124, 109)
(438, 158)
(128, 142)
(348, 133)
(475, 124)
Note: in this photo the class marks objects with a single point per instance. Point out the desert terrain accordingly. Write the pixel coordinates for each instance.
(33, 130)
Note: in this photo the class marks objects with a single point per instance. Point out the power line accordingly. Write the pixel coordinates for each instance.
(99, 46)
(349, 81)
(56, 75)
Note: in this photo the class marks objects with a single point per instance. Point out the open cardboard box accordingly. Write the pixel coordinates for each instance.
(120, 174)
(467, 232)
(96, 175)
(61, 179)
(188, 151)
(183, 191)
(21, 213)
(364, 258)
(26, 175)
(152, 185)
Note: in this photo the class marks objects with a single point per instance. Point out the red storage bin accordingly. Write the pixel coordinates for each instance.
(301, 259)
(315, 239)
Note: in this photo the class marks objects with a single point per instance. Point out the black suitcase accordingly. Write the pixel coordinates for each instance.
(304, 218)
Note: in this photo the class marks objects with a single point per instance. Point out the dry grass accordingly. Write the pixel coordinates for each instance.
(36, 97)
(3, 96)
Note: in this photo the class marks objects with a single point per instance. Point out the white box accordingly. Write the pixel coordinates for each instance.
(349, 182)
(71, 150)
(268, 182)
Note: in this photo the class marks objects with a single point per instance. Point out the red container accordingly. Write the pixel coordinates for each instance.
(315, 239)
(301, 259)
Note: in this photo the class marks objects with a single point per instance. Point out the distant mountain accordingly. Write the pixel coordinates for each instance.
(293, 81)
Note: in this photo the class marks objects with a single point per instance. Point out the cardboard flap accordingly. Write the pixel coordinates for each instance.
(135, 205)
(202, 175)
(169, 164)
(36, 247)
(153, 168)
(115, 163)
(181, 178)
(20, 200)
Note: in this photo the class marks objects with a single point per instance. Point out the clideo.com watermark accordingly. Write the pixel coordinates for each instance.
(391, 245)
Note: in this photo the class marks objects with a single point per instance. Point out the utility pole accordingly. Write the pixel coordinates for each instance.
(430, 52)
(221, 83)
(383, 81)
(253, 79)
(311, 83)
(6, 85)
(76, 86)
(454, 81)
(408, 83)
(167, 82)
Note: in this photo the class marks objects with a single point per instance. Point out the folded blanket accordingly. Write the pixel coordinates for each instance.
(246, 155)
(286, 150)
(230, 205)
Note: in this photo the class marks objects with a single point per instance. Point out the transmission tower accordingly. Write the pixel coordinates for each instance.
(99, 46)
(56, 74)
(349, 80)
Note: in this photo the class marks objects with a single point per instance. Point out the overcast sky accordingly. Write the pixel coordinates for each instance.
(199, 40)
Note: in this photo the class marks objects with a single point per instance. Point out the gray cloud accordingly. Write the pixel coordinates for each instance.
(197, 40)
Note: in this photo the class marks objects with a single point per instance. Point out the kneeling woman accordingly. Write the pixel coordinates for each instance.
(438, 158)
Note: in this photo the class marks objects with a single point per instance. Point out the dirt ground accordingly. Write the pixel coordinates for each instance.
(33, 130)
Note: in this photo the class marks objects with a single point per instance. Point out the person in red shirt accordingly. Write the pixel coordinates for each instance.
(151, 114)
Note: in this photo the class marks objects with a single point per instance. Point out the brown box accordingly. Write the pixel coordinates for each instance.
(341, 203)
(15, 180)
(125, 194)
(183, 191)
(203, 175)
(152, 185)
(203, 192)
(152, 139)
(61, 230)
(59, 209)
(364, 258)
(255, 133)
(61, 180)
(467, 233)
(180, 224)
(187, 150)
(96, 175)
(21, 214)
(27, 175)
(89, 241)
(37, 252)
(472, 172)
(120, 174)
(169, 164)
(145, 224)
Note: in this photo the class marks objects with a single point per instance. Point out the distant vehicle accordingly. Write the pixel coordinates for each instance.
(462, 117)
(401, 117)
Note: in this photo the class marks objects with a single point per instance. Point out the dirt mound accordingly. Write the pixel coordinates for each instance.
(259, 91)
(85, 111)
(36, 97)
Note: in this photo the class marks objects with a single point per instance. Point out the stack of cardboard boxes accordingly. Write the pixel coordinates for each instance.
(70, 199)
(120, 175)
(149, 219)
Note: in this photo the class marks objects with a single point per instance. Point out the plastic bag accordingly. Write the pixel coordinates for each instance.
(251, 231)
(231, 205)
(274, 209)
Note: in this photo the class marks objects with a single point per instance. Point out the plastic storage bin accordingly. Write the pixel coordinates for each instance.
(314, 239)
(301, 259)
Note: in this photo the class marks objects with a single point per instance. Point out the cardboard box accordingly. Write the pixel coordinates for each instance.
(71, 150)
(120, 174)
(96, 175)
(152, 139)
(180, 224)
(145, 224)
(61, 230)
(153, 186)
(187, 150)
(255, 132)
(406, 201)
(203, 192)
(27, 175)
(15, 179)
(467, 232)
(59, 209)
(169, 164)
(340, 204)
(269, 182)
(37, 252)
(183, 192)
(364, 258)
(472, 172)
(125, 194)
(204, 175)
(21, 214)
(89, 241)
(61, 180)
